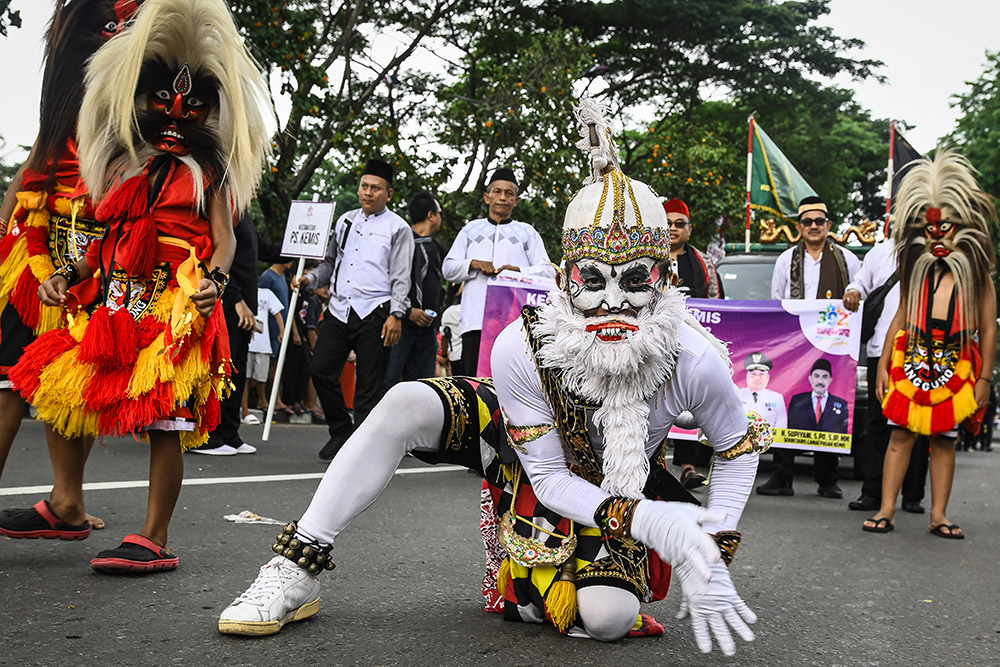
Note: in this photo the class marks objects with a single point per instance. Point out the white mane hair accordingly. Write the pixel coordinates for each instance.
(620, 376)
(198, 32)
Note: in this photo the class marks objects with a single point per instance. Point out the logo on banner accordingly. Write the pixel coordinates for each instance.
(828, 330)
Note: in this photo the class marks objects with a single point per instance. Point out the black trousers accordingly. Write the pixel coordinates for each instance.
(334, 343)
(690, 452)
(825, 470)
(294, 387)
(470, 352)
(872, 453)
(228, 431)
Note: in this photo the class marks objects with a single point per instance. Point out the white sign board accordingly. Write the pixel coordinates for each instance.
(308, 229)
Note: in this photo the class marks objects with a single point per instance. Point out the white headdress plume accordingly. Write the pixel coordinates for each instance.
(596, 139)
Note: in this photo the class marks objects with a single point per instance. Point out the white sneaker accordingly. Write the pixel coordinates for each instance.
(246, 449)
(221, 450)
(281, 593)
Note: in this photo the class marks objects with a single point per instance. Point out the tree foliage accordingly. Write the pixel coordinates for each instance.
(495, 83)
(977, 132)
(9, 18)
(320, 52)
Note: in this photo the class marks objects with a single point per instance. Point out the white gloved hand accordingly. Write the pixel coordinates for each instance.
(674, 531)
(714, 607)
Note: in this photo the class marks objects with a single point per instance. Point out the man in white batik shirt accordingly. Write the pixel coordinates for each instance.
(486, 247)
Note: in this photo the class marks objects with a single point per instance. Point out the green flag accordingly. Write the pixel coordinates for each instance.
(775, 185)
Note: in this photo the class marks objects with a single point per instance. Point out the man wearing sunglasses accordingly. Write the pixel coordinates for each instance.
(697, 272)
(815, 268)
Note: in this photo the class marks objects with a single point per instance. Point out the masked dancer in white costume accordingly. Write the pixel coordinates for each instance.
(586, 522)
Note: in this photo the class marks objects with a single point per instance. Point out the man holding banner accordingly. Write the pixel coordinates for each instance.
(486, 247)
(367, 266)
(815, 268)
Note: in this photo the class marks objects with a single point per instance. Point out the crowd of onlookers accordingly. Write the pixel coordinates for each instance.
(374, 311)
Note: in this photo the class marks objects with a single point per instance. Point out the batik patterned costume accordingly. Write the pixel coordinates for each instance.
(534, 541)
(141, 357)
(52, 225)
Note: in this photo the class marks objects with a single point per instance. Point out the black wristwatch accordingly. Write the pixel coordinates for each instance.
(398, 314)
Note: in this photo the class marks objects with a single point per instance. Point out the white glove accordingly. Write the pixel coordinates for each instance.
(714, 606)
(674, 531)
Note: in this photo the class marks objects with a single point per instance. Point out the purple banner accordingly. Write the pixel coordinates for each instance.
(505, 296)
(794, 362)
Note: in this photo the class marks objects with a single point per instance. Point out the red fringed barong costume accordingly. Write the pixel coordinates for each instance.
(140, 356)
(932, 374)
(51, 227)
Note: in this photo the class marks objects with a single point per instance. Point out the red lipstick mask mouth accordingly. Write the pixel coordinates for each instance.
(939, 249)
(171, 140)
(612, 331)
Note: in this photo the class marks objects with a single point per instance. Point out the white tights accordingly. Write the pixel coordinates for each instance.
(409, 418)
(608, 613)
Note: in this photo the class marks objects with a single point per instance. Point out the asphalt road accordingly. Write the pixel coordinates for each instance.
(406, 589)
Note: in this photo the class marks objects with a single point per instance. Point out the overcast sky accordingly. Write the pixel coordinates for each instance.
(930, 49)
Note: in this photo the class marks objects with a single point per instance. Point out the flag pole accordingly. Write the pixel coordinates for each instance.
(889, 174)
(746, 236)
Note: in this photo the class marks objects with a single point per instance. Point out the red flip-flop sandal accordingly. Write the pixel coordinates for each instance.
(41, 521)
(137, 555)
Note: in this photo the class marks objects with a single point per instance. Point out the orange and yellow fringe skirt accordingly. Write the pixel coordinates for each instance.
(932, 385)
(142, 357)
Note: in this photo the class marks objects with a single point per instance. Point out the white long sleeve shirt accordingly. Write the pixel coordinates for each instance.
(515, 243)
(781, 284)
(367, 263)
(878, 267)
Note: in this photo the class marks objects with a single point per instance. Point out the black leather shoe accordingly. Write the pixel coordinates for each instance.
(913, 506)
(831, 491)
(331, 448)
(775, 488)
(865, 503)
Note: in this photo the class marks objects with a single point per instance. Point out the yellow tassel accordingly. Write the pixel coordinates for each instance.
(503, 577)
(560, 603)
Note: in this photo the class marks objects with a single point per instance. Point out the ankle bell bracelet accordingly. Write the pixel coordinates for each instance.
(310, 556)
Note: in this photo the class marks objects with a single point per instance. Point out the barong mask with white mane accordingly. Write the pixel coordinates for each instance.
(613, 330)
(177, 80)
(943, 217)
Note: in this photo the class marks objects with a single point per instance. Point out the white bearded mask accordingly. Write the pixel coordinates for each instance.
(613, 332)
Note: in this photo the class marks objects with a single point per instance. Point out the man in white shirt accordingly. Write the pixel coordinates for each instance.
(757, 397)
(876, 280)
(367, 267)
(815, 268)
(486, 247)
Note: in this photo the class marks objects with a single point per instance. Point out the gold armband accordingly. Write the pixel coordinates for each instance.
(758, 438)
(728, 542)
(521, 435)
(614, 517)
